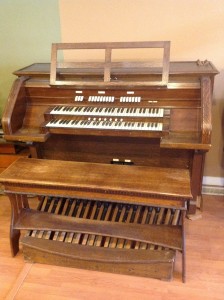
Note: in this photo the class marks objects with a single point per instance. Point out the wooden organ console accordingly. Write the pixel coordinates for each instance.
(122, 148)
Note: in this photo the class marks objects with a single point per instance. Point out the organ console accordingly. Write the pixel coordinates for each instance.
(146, 115)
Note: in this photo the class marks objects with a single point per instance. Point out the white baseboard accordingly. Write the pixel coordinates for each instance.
(216, 181)
(213, 185)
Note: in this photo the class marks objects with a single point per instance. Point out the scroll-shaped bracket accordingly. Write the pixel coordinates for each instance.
(206, 95)
(148, 68)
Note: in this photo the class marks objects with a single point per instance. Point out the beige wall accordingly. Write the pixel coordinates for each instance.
(194, 27)
(27, 29)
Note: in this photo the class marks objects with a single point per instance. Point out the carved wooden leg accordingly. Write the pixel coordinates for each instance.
(35, 150)
(183, 248)
(17, 203)
(196, 178)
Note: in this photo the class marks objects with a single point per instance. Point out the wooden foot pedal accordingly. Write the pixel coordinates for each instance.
(94, 251)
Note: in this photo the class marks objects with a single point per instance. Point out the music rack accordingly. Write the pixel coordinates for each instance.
(108, 65)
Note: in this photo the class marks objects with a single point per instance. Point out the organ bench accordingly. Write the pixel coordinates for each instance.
(106, 217)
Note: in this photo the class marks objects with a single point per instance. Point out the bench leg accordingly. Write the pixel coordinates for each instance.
(183, 248)
(17, 203)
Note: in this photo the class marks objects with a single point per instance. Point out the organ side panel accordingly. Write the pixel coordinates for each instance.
(15, 109)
